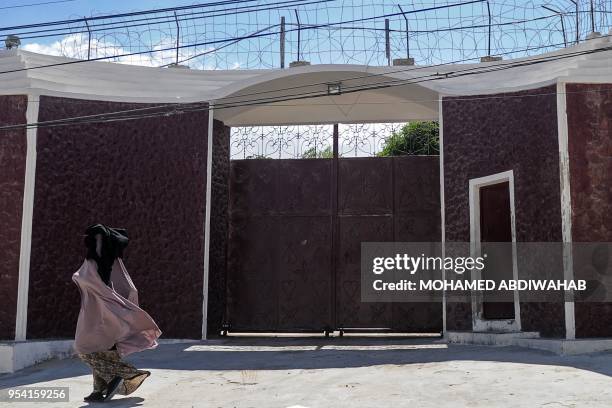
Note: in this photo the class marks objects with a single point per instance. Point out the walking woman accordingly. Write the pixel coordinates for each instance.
(110, 324)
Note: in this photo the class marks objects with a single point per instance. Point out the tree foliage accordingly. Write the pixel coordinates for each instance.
(313, 153)
(414, 138)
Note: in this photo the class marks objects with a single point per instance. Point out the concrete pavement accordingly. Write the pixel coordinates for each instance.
(342, 372)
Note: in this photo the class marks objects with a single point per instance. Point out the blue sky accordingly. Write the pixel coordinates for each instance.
(77, 8)
(361, 45)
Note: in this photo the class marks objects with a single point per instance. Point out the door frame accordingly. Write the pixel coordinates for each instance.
(479, 323)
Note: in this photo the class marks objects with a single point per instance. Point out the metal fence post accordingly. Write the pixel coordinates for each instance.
(592, 17)
(577, 21)
(88, 39)
(178, 36)
(387, 42)
(299, 33)
(563, 28)
(557, 12)
(282, 42)
(336, 136)
(489, 41)
(407, 36)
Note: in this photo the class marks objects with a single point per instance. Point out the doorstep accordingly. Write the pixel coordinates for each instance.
(530, 340)
(488, 338)
(568, 347)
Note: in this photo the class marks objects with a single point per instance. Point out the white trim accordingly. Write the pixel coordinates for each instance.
(188, 96)
(577, 79)
(97, 80)
(478, 322)
(209, 158)
(21, 318)
(442, 209)
(16, 355)
(102, 80)
(566, 207)
(532, 340)
(21, 354)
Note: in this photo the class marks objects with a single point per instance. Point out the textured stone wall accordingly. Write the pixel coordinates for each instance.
(147, 175)
(13, 145)
(218, 227)
(484, 136)
(589, 117)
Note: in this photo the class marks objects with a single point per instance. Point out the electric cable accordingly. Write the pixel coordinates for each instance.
(203, 106)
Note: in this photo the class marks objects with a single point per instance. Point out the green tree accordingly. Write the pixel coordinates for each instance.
(313, 153)
(413, 138)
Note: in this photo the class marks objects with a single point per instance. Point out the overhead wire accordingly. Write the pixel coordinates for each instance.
(214, 45)
(129, 14)
(204, 106)
(250, 36)
(92, 28)
(398, 70)
(15, 6)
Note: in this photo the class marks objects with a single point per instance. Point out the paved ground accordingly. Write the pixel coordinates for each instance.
(343, 373)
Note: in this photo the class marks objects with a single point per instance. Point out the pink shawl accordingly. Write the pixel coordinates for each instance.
(110, 316)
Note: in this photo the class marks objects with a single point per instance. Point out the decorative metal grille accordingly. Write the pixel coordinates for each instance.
(296, 142)
(364, 139)
(280, 142)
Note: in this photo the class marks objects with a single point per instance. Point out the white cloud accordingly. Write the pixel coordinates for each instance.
(76, 46)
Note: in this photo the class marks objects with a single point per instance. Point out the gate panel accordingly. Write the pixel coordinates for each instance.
(304, 253)
(414, 226)
(252, 187)
(365, 186)
(279, 257)
(417, 219)
(251, 270)
(350, 311)
(304, 187)
(283, 271)
(365, 206)
(251, 274)
(304, 273)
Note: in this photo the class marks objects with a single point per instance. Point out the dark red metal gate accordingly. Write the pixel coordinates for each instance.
(295, 234)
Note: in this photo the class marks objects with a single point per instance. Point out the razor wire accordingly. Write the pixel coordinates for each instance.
(341, 31)
(276, 33)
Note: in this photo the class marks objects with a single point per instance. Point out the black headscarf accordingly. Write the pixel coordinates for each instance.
(114, 241)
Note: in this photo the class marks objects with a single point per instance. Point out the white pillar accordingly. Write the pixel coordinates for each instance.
(442, 209)
(566, 207)
(209, 158)
(21, 319)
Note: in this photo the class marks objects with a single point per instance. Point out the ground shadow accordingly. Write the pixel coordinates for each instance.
(311, 353)
(118, 402)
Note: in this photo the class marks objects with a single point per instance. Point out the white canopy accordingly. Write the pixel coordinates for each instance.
(266, 97)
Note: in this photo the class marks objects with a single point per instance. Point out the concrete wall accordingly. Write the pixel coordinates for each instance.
(589, 117)
(146, 175)
(12, 172)
(488, 134)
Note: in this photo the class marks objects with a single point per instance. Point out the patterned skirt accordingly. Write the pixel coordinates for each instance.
(107, 365)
